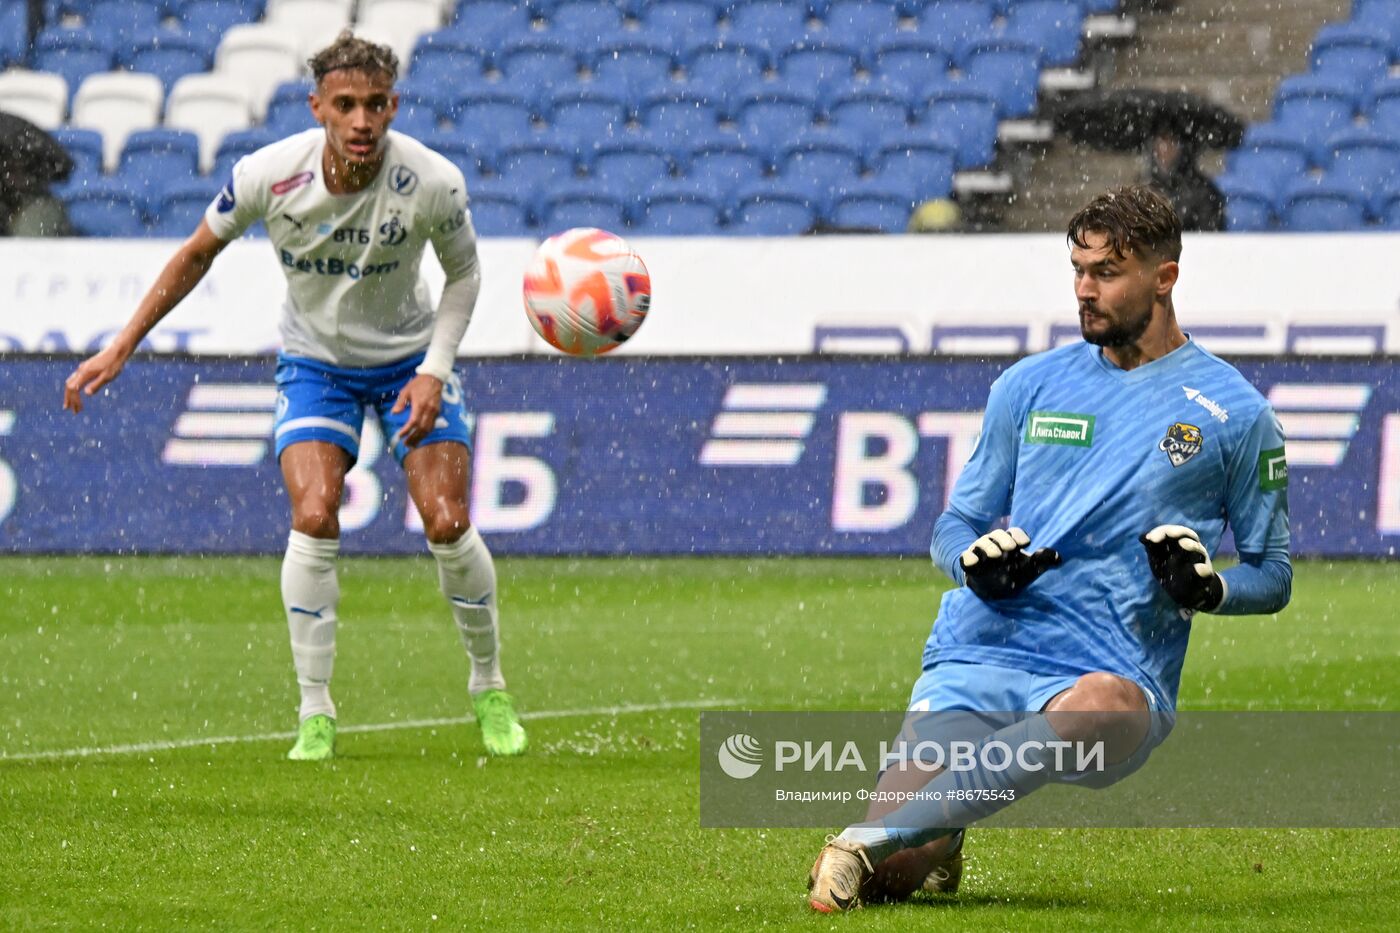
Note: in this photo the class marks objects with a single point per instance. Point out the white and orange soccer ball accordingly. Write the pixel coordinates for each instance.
(586, 291)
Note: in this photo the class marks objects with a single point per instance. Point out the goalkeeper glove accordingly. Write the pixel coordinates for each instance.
(1180, 563)
(997, 565)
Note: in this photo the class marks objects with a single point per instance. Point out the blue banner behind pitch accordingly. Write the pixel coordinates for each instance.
(628, 456)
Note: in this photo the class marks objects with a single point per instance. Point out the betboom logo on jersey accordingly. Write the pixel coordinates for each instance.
(336, 266)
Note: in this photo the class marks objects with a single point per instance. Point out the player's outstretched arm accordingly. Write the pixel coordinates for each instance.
(1180, 563)
(180, 275)
(998, 566)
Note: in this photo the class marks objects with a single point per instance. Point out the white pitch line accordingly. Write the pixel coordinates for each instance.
(622, 710)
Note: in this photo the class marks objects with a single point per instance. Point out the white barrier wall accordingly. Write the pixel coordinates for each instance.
(1336, 293)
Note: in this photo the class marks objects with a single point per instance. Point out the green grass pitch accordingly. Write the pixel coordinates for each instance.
(411, 828)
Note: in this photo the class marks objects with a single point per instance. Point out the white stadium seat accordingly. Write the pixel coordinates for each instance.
(315, 23)
(211, 106)
(40, 97)
(347, 7)
(115, 103)
(397, 27)
(422, 15)
(262, 56)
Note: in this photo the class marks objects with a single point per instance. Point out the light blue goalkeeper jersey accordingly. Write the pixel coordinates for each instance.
(1086, 457)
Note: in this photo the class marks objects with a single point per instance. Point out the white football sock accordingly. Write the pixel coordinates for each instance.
(310, 593)
(468, 577)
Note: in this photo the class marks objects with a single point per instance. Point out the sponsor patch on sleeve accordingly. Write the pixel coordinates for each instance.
(1273, 470)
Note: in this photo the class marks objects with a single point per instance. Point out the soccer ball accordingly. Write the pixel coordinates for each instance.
(586, 291)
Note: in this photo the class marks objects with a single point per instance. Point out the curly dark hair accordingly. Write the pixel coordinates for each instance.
(1135, 218)
(347, 51)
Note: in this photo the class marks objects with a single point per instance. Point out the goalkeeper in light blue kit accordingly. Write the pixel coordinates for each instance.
(1119, 462)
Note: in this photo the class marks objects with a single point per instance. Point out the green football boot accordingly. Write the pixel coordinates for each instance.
(315, 739)
(500, 726)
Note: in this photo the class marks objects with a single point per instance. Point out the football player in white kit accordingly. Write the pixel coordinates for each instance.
(349, 209)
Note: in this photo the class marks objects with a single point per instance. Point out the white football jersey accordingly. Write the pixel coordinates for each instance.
(355, 296)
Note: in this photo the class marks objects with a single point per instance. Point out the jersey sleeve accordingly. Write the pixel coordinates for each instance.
(453, 235)
(240, 203)
(1257, 510)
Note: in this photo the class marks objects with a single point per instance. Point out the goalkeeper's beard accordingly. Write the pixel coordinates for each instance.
(1124, 331)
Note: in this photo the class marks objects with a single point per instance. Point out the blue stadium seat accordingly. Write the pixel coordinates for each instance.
(871, 108)
(1272, 155)
(74, 53)
(679, 207)
(501, 208)
(873, 205)
(236, 145)
(180, 207)
(206, 21)
(581, 204)
(1378, 14)
(773, 208)
(543, 62)
(491, 21)
(818, 62)
(287, 110)
(545, 159)
(914, 60)
(776, 109)
(1009, 67)
(1249, 204)
(158, 157)
(1053, 27)
(1323, 205)
(920, 162)
(446, 58)
(1383, 104)
(461, 152)
(954, 23)
(772, 23)
(862, 22)
(499, 113)
(423, 108)
(166, 53)
(678, 113)
(588, 110)
(696, 20)
(1317, 105)
(85, 146)
(14, 34)
(589, 21)
(726, 162)
(123, 20)
(966, 111)
(1351, 52)
(107, 208)
(1385, 207)
(1364, 158)
(820, 158)
(721, 66)
(632, 65)
(629, 164)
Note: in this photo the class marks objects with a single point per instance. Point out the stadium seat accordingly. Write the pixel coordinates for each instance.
(587, 110)
(913, 60)
(259, 56)
(1322, 205)
(313, 24)
(819, 62)
(966, 111)
(726, 163)
(954, 23)
(14, 34)
(629, 164)
(1053, 27)
(501, 113)
(1271, 155)
(862, 22)
(773, 208)
(153, 159)
(1316, 105)
(1249, 204)
(236, 145)
(181, 207)
(116, 103)
(720, 67)
(820, 158)
(422, 108)
(491, 21)
(123, 20)
(633, 66)
(211, 106)
(871, 108)
(543, 160)
(1364, 158)
(873, 205)
(775, 24)
(461, 152)
(500, 208)
(73, 53)
(85, 146)
(775, 109)
(543, 62)
(446, 58)
(1008, 67)
(1385, 207)
(1350, 52)
(679, 207)
(288, 111)
(40, 97)
(1383, 104)
(694, 19)
(206, 21)
(584, 23)
(1378, 14)
(399, 33)
(165, 53)
(581, 204)
(916, 161)
(106, 208)
(679, 114)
